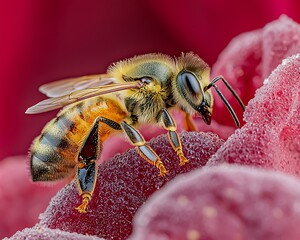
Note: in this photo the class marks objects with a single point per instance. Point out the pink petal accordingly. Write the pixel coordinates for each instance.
(124, 183)
(271, 136)
(21, 199)
(226, 202)
(43, 233)
(252, 56)
(281, 39)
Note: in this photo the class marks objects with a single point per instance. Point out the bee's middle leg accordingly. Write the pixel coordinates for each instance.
(145, 151)
(170, 125)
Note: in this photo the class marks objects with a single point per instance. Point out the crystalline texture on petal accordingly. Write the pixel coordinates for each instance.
(251, 57)
(271, 136)
(43, 233)
(281, 39)
(124, 183)
(225, 202)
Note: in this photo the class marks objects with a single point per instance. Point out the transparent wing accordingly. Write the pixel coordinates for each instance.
(75, 96)
(69, 85)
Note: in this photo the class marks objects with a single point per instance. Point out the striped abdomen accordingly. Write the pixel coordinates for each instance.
(54, 152)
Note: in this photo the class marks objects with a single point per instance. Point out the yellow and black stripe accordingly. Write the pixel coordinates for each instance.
(54, 153)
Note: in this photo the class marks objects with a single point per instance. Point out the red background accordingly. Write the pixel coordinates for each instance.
(41, 41)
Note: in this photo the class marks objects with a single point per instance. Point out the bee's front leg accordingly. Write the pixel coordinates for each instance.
(189, 124)
(170, 125)
(143, 149)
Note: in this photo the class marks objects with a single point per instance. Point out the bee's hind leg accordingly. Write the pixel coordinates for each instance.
(86, 169)
(86, 182)
(170, 125)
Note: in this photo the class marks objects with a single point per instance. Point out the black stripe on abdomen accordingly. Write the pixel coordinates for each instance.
(64, 123)
(56, 141)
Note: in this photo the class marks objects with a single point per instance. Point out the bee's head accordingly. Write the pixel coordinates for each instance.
(190, 83)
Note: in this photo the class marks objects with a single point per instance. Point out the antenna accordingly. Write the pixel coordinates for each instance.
(212, 84)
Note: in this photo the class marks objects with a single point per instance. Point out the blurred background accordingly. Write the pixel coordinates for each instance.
(42, 41)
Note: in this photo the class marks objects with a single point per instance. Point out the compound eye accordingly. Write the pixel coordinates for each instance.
(189, 83)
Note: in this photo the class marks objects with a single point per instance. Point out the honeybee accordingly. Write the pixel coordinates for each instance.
(135, 91)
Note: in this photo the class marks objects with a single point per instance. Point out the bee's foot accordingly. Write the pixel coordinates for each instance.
(82, 208)
(183, 160)
(161, 167)
(86, 197)
(163, 172)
